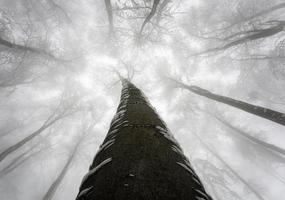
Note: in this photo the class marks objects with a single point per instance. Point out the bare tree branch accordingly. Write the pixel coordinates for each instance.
(150, 15)
(110, 16)
(252, 35)
(263, 12)
(41, 52)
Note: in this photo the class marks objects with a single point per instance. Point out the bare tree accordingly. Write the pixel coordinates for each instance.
(247, 36)
(150, 15)
(253, 190)
(22, 158)
(255, 140)
(24, 48)
(139, 158)
(217, 179)
(56, 183)
(266, 113)
(59, 113)
(259, 14)
(110, 16)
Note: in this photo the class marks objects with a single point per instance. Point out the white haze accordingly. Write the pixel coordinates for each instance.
(78, 32)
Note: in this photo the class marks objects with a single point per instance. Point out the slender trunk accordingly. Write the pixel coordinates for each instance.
(207, 178)
(18, 161)
(263, 12)
(13, 164)
(255, 35)
(237, 130)
(110, 16)
(263, 112)
(255, 192)
(139, 158)
(10, 45)
(271, 149)
(16, 146)
(54, 186)
(150, 15)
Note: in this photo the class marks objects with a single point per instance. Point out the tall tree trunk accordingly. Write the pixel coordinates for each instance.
(139, 158)
(14, 163)
(266, 113)
(54, 186)
(108, 6)
(273, 150)
(16, 146)
(254, 140)
(18, 161)
(230, 169)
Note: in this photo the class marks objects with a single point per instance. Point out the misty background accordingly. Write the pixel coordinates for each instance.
(59, 88)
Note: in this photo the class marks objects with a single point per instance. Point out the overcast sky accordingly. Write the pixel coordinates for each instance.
(77, 31)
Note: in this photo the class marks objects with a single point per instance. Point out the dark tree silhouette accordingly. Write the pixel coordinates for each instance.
(110, 16)
(19, 144)
(53, 118)
(150, 15)
(19, 160)
(56, 183)
(266, 113)
(26, 48)
(139, 158)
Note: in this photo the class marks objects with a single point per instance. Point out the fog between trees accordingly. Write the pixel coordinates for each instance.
(196, 61)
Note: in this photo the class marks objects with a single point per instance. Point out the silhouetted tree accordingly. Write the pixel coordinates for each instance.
(110, 15)
(56, 183)
(139, 158)
(266, 113)
(57, 115)
(150, 15)
(255, 140)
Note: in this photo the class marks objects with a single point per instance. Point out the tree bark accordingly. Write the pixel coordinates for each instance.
(263, 112)
(139, 158)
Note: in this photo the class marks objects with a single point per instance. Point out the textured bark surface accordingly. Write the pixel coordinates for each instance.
(139, 159)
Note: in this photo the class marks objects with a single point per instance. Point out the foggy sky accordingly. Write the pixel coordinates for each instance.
(77, 32)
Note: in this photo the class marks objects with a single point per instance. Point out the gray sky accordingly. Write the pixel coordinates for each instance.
(77, 31)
